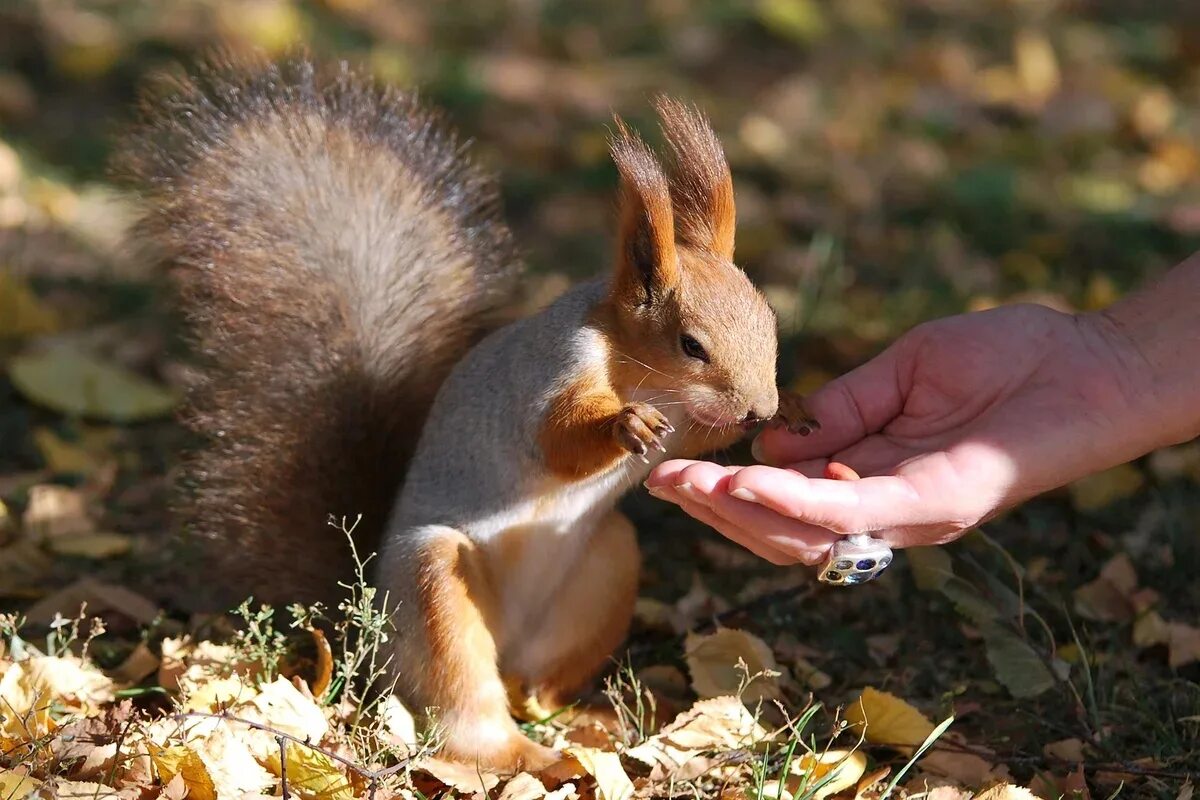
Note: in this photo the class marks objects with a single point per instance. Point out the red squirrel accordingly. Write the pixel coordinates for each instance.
(340, 261)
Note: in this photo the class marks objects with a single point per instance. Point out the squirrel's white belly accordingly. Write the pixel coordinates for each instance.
(540, 542)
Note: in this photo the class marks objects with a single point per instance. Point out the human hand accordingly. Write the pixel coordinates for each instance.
(960, 418)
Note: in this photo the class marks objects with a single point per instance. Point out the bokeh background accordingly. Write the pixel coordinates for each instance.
(895, 160)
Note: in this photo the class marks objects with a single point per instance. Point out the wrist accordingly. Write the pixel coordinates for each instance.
(1152, 346)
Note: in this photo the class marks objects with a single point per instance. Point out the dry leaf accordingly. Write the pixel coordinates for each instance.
(716, 725)
(611, 781)
(1183, 645)
(280, 705)
(324, 663)
(1104, 488)
(80, 385)
(217, 693)
(101, 599)
(137, 666)
(888, 720)
(16, 785)
(1065, 750)
(22, 314)
(962, 767)
(833, 771)
(314, 775)
(1006, 791)
(523, 787)
(55, 511)
(1150, 630)
(461, 777)
(96, 546)
(185, 763)
(721, 663)
(78, 790)
(1109, 597)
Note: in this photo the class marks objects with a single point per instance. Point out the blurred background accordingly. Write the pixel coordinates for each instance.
(894, 160)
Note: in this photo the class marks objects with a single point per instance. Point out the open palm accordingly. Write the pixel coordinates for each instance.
(959, 418)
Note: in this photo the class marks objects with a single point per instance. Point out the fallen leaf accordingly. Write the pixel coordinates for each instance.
(324, 674)
(888, 720)
(280, 705)
(1105, 488)
(62, 457)
(611, 781)
(102, 599)
(1109, 597)
(22, 314)
(16, 785)
(716, 725)
(78, 790)
(461, 777)
(732, 662)
(233, 769)
(1065, 750)
(968, 769)
(55, 511)
(77, 384)
(137, 666)
(96, 546)
(1183, 644)
(314, 775)
(523, 786)
(1015, 663)
(183, 762)
(820, 775)
(1006, 791)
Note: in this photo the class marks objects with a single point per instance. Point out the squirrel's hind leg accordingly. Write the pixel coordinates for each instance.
(444, 661)
(587, 620)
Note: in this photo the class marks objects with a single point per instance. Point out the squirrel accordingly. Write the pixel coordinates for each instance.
(343, 271)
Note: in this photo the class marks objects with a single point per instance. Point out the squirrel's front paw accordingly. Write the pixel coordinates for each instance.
(794, 416)
(640, 427)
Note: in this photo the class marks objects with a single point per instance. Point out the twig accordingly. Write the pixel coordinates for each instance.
(282, 742)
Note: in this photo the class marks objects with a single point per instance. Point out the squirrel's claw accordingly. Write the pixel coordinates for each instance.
(639, 427)
(793, 415)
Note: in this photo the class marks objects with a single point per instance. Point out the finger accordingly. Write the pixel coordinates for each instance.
(848, 408)
(667, 473)
(735, 534)
(800, 541)
(703, 484)
(869, 504)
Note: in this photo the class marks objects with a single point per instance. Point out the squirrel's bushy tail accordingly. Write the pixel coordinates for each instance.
(336, 255)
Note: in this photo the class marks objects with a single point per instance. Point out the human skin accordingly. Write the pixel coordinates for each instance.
(960, 419)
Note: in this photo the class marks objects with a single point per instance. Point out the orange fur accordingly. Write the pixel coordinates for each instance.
(577, 437)
(462, 683)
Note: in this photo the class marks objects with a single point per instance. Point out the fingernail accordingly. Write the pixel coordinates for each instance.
(690, 492)
(655, 491)
(756, 450)
(744, 494)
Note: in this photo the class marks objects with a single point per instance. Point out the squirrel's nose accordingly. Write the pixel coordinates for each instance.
(755, 416)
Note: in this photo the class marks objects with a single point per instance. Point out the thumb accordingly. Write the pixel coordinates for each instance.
(859, 403)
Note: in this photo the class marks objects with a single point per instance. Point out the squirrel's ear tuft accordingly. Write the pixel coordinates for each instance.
(647, 264)
(701, 186)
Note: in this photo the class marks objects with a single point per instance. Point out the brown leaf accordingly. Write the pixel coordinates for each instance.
(56, 511)
(1183, 645)
(732, 662)
(1109, 597)
(523, 787)
(138, 665)
(102, 599)
(324, 663)
(461, 777)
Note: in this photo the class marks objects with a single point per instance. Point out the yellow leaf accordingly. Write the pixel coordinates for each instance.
(1104, 488)
(1150, 629)
(611, 781)
(801, 20)
(1006, 791)
(218, 692)
(841, 768)
(732, 662)
(92, 545)
(22, 314)
(55, 511)
(888, 720)
(1036, 65)
(14, 785)
(314, 775)
(73, 383)
(64, 457)
(185, 762)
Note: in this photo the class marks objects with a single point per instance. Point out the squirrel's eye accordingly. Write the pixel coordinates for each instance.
(692, 348)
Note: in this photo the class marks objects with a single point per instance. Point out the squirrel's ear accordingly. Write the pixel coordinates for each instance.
(701, 186)
(647, 264)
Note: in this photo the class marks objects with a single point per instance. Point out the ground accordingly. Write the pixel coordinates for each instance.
(894, 161)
